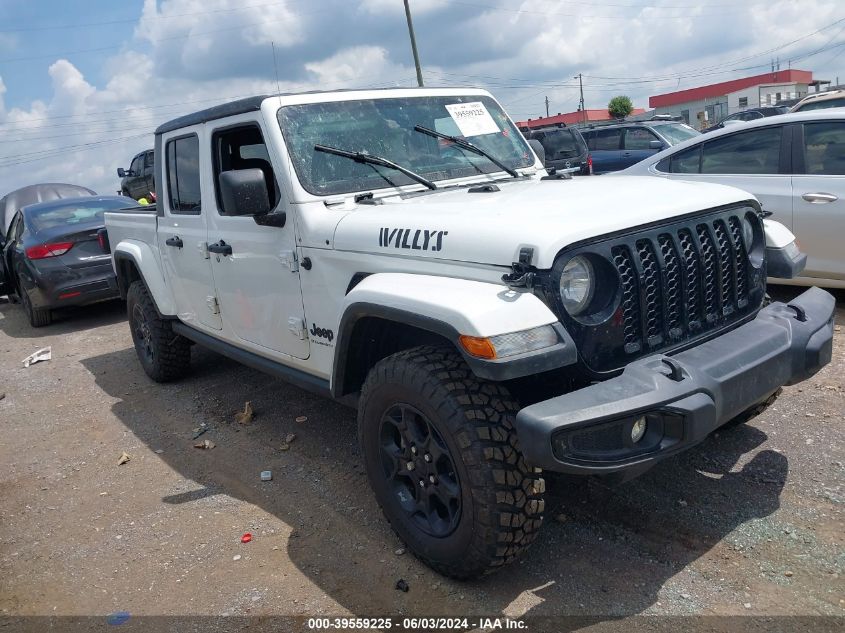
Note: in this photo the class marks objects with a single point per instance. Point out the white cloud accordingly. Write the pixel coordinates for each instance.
(190, 54)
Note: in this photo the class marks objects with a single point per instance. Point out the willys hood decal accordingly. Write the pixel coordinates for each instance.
(491, 227)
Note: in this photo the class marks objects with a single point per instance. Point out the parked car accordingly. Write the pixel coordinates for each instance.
(794, 164)
(139, 180)
(405, 250)
(56, 254)
(14, 201)
(752, 114)
(820, 101)
(620, 145)
(566, 150)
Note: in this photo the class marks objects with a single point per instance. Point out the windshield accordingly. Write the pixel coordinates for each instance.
(676, 132)
(75, 212)
(385, 128)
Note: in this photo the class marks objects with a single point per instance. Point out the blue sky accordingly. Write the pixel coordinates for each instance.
(74, 116)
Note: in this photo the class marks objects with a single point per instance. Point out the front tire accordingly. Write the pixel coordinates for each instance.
(444, 462)
(164, 355)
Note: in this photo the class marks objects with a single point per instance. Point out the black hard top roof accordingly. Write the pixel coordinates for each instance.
(251, 104)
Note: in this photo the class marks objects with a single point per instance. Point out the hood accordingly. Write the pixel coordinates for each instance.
(546, 215)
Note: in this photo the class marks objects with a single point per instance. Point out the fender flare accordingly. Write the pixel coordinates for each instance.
(143, 258)
(449, 308)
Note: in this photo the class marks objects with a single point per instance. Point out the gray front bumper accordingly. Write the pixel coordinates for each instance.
(683, 397)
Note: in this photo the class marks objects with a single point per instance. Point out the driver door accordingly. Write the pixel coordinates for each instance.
(257, 284)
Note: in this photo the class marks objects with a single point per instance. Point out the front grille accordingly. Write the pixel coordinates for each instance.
(697, 278)
(676, 283)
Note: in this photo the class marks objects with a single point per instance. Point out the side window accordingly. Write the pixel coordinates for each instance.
(607, 139)
(686, 162)
(824, 148)
(148, 159)
(753, 152)
(638, 138)
(136, 165)
(243, 148)
(183, 175)
(589, 139)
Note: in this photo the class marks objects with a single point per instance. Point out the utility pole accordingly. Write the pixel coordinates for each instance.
(547, 107)
(581, 85)
(414, 44)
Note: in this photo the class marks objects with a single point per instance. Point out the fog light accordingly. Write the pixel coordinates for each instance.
(638, 429)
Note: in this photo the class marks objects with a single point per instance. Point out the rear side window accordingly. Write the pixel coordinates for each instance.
(753, 152)
(605, 140)
(183, 175)
(148, 159)
(686, 162)
(824, 148)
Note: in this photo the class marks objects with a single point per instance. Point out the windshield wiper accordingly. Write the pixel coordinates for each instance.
(370, 159)
(470, 146)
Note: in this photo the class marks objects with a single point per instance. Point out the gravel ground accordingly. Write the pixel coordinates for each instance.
(748, 523)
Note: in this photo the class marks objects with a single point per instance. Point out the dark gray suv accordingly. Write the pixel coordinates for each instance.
(566, 150)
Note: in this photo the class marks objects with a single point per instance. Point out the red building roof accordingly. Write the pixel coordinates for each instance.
(721, 89)
(571, 117)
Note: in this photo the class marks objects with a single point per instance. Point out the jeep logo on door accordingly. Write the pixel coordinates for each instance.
(321, 333)
(413, 239)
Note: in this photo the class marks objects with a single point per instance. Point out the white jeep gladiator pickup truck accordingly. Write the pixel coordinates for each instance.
(405, 250)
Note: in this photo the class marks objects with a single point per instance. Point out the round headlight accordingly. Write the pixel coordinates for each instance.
(747, 233)
(577, 284)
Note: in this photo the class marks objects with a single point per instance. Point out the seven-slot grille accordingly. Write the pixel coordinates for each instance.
(682, 282)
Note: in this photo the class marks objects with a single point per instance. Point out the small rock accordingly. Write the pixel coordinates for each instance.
(236, 557)
(686, 596)
(284, 446)
(302, 418)
(809, 415)
(683, 503)
(289, 438)
(788, 574)
(124, 458)
(266, 475)
(159, 451)
(747, 605)
(400, 551)
(401, 585)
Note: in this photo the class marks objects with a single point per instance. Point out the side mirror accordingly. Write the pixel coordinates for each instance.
(658, 145)
(538, 149)
(244, 192)
(121, 172)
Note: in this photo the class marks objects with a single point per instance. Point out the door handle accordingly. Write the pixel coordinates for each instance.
(174, 241)
(819, 198)
(220, 248)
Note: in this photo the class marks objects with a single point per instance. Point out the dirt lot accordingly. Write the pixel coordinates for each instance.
(750, 522)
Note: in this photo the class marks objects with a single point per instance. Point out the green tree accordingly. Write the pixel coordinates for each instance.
(620, 107)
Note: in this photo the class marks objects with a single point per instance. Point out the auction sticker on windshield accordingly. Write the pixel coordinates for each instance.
(472, 119)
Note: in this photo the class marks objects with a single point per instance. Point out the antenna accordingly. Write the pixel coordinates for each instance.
(276, 68)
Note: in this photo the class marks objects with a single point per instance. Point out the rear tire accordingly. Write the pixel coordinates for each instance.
(444, 462)
(164, 355)
(38, 317)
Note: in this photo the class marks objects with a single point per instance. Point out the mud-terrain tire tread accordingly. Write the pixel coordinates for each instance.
(172, 357)
(507, 493)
